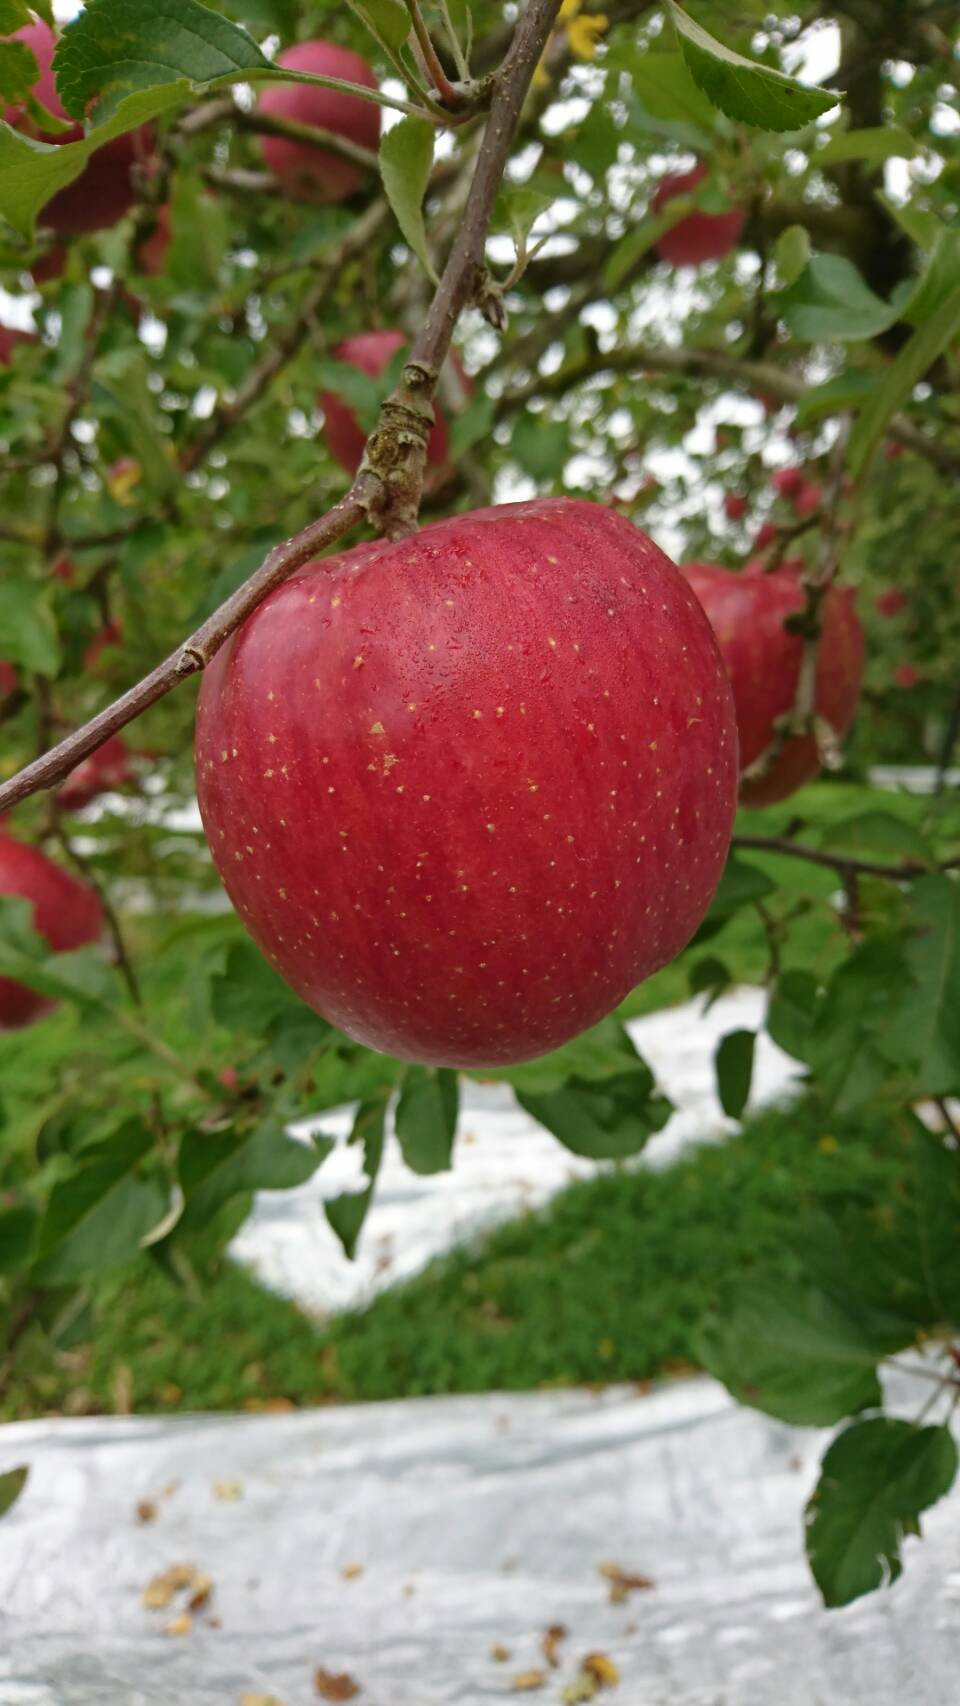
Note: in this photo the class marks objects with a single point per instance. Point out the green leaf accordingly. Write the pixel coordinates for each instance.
(361, 391)
(831, 302)
(13, 15)
(853, 1049)
(914, 360)
(667, 92)
(100, 1212)
(472, 425)
(741, 885)
(29, 629)
(540, 445)
(750, 93)
(388, 20)
(877, 835)
(791, 253)
(17, 1229)
(216, 1165)
(937, 281)
(790, 1349)
(734, 1064)
(517, 209)
(596, 141)
(875, 1480)
(605, 1119)
(114, 50)
(80, 976)
(406, 156)
(347, 1213)
(12, 1484)
(426, 1118)
(18, 70)
(844, 391)
(874, 145)
(602, 1052)
(928, 1022)
(709, 977)
(791, 1013)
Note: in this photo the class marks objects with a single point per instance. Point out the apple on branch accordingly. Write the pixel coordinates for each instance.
(468, 788)
(696, 237)
(749, 614)
(372, 353)
(317, 174)
(65, 911)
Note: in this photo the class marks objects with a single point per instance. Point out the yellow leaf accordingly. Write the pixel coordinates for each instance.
(584, 33)
(528, 1680)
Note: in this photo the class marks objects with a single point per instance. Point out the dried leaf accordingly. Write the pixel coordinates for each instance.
(528, 1680)
(583, 1689)
(181, 1625)
(160, 1591)
(551, 1643)
(624, 1582)
(602, 1669)
(200, 1597)
(335, 1687)
(350, 1572)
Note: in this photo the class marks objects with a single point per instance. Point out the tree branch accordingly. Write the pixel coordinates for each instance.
(374, 493)
(839, 862)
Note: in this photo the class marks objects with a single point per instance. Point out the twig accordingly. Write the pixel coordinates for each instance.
(839, 862)
(389, 481)
(441, 81)
(312, 135)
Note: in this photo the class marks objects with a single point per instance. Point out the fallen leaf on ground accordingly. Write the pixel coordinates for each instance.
(528, 1680)
(202, 1587)
(335, 1687)
(160, 1591)
(551, 1643)
(624, 1582)
(602, 1669)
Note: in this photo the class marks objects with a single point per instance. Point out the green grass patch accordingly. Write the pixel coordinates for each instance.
(606, 1283)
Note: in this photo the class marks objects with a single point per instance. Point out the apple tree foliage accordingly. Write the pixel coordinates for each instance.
(162, 431)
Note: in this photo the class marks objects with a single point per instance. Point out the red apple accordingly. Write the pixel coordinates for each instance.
(64, 569)
(372, 352)
(314, 174)
(807, 500)
(698, 237)
(905, 675)
(734, 507)
(468, 788)
(106, 769)
(748, 614)
(788, 481)
(893, 451)
(890, 603)
(8, 679)
(104, 191)
(151, 251)
(65, 911)
(767, 535)
(51, 264)
(10, 337)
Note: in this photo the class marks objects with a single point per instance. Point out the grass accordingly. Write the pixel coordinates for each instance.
(606, 1283)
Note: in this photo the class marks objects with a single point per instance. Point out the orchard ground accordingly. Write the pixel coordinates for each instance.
(606, 1283)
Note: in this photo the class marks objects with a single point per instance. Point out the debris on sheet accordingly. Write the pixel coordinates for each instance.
(146, 1511)
(528, 1680)
(228, 1492)
(181, 1625)
(602, 1669)
(550, 1643)
(331, 1686)
(624, 1582)
(500, 1654)
(351, 1572)
(159, 1592)
(260, 1700)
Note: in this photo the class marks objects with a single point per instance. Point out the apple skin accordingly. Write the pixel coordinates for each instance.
(65, 911)
(372, 352)
(700, 236)
(747, 612)
(313, 174)
(767, 534)
(788, 482)
(734, 506)
(468, 788)
(104, 191)
(807, 500)
(106, 769)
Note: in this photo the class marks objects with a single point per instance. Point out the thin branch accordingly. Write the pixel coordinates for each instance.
(376, 491)
(312, 135)
(441, 81)
(839, 862)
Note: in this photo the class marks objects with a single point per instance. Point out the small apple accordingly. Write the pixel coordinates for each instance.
(314, 174)
(106, 769)
(807, 500)
(65, 911)
(734, 506)
(787, 482)
(890, 602)
(64, 569)
(105, 190)
(151, 251)
(697, 237)
(767, 535)
(372, 352)
(10, 337)
(905, 675)
(748, 613)
(467, 788)
(893, 451)
(51, 264)
(8, 679)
